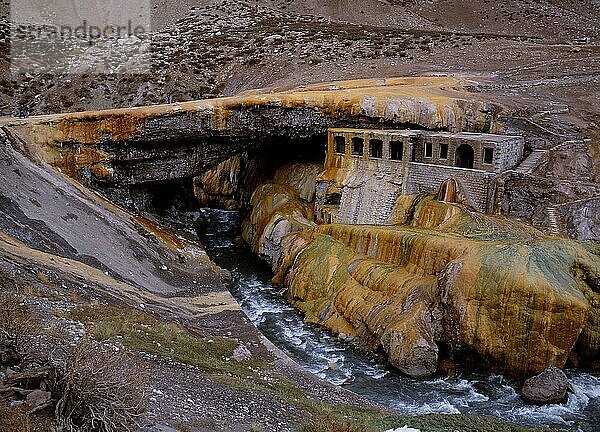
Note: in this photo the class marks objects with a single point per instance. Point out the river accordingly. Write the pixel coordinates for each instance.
(367, 373)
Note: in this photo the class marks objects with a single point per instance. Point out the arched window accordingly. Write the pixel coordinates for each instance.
(465, 156)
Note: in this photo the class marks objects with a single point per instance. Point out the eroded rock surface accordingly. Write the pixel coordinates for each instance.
(281, 207)
(445, 282)
(555, 190)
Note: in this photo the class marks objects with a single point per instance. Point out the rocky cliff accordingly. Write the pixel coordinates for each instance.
(444, 283)
(280, 207)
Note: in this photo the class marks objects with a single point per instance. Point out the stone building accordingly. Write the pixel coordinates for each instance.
(366, 170)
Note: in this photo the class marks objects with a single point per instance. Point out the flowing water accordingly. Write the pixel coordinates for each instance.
(366, 373)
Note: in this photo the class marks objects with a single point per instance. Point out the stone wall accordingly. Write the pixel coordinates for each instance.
(511, 155)
(479, 186)
(369, 197)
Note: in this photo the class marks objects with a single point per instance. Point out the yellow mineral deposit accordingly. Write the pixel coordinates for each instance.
(442, 280)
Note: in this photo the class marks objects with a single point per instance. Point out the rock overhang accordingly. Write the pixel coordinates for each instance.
(144, 145)
(441, 103)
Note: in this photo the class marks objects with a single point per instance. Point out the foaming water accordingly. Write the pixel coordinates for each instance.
(367, 373)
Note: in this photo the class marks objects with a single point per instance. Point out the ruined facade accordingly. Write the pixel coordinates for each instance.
(366, 170)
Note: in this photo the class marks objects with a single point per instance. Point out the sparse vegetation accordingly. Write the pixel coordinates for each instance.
(376, 422)
(142, 332)
(103, 389)
(94, 389)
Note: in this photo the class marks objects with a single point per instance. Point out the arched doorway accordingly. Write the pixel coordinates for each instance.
(464, 156)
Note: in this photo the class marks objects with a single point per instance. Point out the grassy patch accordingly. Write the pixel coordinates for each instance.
(142, 332)
(327, 417)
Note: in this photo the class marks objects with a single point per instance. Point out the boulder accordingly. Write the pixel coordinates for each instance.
(38, 398)
(200, 224)
(548, 387)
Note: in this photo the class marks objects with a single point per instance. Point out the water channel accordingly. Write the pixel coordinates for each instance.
(367, 373)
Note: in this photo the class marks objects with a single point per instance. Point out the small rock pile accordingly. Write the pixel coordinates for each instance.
(25, 384)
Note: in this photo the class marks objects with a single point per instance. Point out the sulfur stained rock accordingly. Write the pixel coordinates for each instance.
(489, 291)
(280, 207)
(451, 191)
(413, 349)
(301, 177)
(364, 298)
(170, 142)
(219, 186)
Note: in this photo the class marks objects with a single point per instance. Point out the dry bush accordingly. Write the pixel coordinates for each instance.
(103, 390)
(97, 387)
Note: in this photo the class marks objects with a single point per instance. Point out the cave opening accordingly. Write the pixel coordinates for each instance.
(185, 172)
(279, 150)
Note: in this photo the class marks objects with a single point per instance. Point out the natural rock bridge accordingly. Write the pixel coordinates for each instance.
(141, 147)
(168, 142)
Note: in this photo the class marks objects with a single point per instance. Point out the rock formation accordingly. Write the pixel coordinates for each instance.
(220, 185)
(556, 191)
(458, 278)
(166, 142)
(443, 283)
(550, 386)
(127, 152)
(281, 207)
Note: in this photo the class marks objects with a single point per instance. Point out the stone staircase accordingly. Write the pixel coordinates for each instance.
(553, 220)
(533, 161)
